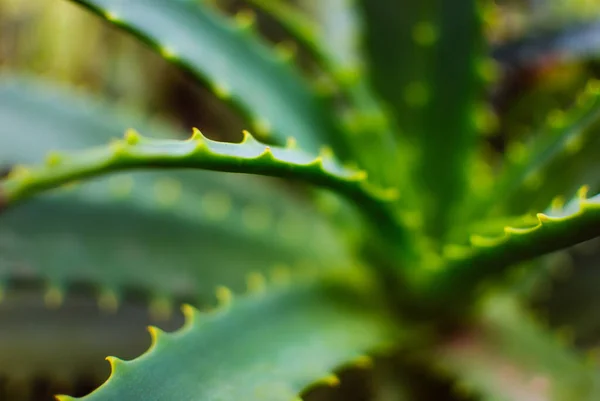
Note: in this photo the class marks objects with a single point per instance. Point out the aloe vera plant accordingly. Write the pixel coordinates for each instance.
(399, 236)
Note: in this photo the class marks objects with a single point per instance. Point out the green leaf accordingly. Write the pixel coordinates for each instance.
(340, 60)
(235, 64)
(199, 152)
(369, 130)
(214, 229)
(506, 356)
(424, 62)
(537, 173)
(462, 267)
(269, 346)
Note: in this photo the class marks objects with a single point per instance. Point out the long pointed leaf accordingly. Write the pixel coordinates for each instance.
(533, 179)
(236, 65)
(464, 266)
(292, 337)
(370, 131)
(199, 152)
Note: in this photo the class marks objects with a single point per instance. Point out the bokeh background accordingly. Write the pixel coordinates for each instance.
(544, 52)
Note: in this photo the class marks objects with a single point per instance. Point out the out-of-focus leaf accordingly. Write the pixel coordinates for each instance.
(213, 230)
(230, 58)
(293, 337)
(424, 58)
(463, 266)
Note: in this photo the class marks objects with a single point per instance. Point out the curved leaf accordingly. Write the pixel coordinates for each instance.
(464, 266)
(339, 59)
(506, 356)
(104, 232)
(301, 27)
(250, 156)
(235, 64)
(569, 139)
(292, 337)
(370, 131)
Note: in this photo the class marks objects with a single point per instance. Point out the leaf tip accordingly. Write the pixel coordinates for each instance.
(189, 314)
(53, 159)
(582, 192)
(543, 218)
(132, 137)
(245, 19)
(363, 362)
(168, 52)
(318, 162)
(111, 16)
(62, 397)
(330, 380)
(156, 335)
(248, 138)
(197, 135)
(267, 154)
(221, 90)
(224, 296)
(115, 363)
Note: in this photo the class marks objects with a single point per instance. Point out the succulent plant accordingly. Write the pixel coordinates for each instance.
(399, 235)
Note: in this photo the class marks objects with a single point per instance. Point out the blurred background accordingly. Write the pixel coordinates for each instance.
(544, 51)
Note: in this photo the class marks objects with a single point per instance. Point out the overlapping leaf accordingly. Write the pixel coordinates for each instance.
(464, 266)
(212, 229)
(538, 172)
(424, 62)
(199, 152)
(268, 346)
(333, 44)
(235, 64)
